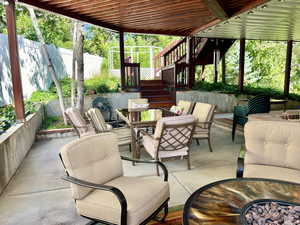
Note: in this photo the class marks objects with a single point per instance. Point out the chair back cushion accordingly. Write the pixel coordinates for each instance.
(259, 104)
(94, 159)
(186, 106)
(77, 120)
(204, 112)
(174, 133)
(137, 103)
(97, 119)
(273, 143)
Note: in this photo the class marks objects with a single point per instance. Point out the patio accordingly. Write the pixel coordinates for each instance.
(38, 195)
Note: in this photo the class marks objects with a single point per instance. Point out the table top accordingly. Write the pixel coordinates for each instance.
(221, 203)
(147, 116)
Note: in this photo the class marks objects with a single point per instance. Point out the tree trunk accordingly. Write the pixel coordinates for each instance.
(78, 53)
(74, 68)
(48, 61)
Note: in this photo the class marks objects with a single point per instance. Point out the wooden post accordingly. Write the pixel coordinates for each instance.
(14, 61)
(242, 64)
(288, 63)
(122, 59)
(224, 69)
(190, 62)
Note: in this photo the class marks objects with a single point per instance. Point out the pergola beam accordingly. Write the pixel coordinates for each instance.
(288, 63)
(242, 64)
(216, 9)
(14, 61)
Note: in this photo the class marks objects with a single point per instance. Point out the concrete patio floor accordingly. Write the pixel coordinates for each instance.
(37, 196)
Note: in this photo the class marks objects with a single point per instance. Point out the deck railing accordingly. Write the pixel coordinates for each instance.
(175, 76)
(176, 53)
(132, 76)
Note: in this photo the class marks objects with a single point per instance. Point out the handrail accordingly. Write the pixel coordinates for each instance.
(175, 46)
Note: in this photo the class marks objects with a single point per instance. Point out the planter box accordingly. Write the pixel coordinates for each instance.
(224, 102)
(15, 144)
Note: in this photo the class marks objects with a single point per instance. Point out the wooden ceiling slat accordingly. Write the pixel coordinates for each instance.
(174, 17)
(158, 16)
(162, 6)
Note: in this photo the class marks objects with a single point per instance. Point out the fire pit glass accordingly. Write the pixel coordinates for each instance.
(270, 212)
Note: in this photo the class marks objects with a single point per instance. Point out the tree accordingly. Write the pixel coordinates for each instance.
(77, 93)
(48, 60)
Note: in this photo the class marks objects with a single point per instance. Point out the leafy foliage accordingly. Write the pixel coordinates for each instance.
(97, 84)
(53, 122)
(8, 116)
(248, 89)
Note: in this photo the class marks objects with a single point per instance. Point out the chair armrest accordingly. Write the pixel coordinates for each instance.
(144, 133)
(207, 123)
(162, 166)
(102, 187)
(240, 163)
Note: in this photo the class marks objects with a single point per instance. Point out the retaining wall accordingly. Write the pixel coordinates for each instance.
(15, 144)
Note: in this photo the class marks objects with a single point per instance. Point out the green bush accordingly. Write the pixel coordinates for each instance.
(248, 90)
(97, 84)
(8, 116)
(102, 84)
(42, 96)
(53, 122)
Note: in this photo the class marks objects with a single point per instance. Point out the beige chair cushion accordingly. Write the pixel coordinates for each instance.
(97, 119)
(123, 134)
(204, 112)
(186, 106)
(83, 128)
(273, 143)
(151, 145)
(94, 158)
(143, 195)
(135, 103)
(173, 120)
(272, 172)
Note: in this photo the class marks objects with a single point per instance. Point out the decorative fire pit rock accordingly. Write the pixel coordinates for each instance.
(270, 212)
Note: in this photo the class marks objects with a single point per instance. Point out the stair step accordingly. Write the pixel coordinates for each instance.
(162, 104)
(152, 83)
(159, 98)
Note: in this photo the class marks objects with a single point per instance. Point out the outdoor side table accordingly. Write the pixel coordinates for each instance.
(222, 202)
(141, 118)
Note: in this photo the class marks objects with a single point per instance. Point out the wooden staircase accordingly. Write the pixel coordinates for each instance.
(157, 93)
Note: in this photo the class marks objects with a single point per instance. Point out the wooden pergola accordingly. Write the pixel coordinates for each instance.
(204, 18)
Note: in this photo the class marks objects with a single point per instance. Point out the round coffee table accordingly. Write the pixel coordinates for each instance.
(221, 203)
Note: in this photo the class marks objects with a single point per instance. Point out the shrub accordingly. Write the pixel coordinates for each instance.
(8, 116)
(53, 122)
(98, 84)
(249, 90)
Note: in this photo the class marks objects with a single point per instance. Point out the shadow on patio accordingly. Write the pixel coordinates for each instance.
(37, 195)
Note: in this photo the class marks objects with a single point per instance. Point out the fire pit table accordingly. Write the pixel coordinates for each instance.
(237, 201)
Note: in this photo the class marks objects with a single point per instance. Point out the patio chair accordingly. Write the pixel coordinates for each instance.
(171, 139)
(186, 106)
(100, 126)
(205, 114)
(81, 127)
(101, 191)
(258, 104)
(137, 103)
(272, 151)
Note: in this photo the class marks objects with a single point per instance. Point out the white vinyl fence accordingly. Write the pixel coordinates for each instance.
(34, 71)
